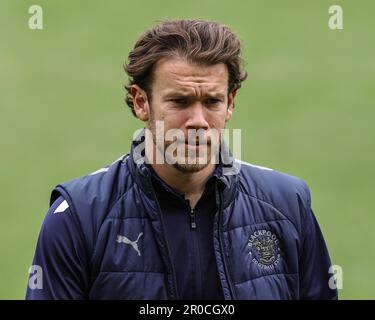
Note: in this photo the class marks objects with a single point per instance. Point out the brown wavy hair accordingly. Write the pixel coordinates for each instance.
(197, 41)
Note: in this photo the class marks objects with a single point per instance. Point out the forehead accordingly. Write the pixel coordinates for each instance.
(171, 75)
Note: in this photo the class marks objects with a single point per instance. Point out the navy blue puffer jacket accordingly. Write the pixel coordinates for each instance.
(267, 242)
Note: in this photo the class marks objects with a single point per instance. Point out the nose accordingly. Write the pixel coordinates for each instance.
(197, 117)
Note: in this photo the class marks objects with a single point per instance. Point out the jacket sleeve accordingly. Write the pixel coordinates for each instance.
(315, 261)
(60, 260)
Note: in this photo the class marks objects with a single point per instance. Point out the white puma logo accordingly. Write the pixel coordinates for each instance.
(123, 239)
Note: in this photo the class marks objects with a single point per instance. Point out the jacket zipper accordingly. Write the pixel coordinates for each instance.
(197, 265)
(166, 244)
(193, 222)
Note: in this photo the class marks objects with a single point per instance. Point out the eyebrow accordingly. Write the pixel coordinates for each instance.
(181, 94)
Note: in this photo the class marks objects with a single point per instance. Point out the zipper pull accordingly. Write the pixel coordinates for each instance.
(193, 223)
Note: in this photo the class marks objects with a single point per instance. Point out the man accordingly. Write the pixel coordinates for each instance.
(177, 218)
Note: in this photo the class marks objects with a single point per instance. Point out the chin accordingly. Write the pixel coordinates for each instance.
(190, 168)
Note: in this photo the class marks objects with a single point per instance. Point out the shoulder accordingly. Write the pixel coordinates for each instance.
(96, 184)
(91, 197)
(270, 181)
(60, 229)
(287, 193)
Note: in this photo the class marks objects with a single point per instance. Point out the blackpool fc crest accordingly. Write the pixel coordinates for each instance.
(264, 248)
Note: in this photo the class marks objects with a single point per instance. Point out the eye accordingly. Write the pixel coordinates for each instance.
(212, 101)
(180, 101)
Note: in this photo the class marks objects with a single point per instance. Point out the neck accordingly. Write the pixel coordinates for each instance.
(192, 184)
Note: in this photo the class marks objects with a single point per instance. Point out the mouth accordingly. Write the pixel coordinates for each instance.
(197, 145)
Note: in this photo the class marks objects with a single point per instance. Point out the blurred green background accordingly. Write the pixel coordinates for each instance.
(307, 109)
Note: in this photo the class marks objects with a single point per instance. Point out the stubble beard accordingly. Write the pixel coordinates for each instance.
(182, 163)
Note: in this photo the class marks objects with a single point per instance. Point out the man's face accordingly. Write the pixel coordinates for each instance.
(189, 96)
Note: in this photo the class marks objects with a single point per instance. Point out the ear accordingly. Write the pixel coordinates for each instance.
(140, 102)
(230, 105)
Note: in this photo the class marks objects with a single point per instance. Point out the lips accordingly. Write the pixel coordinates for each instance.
(197, 145)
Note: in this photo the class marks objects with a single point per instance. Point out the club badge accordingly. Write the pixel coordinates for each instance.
(264, 248)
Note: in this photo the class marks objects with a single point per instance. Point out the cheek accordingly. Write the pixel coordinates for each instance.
(156, 111)
(173, 119)
(218, 120)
